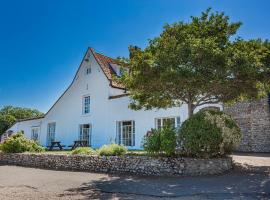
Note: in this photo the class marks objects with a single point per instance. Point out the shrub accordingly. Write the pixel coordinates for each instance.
(161, 140)
(17, 143)
(151, 141)
(168, 140)
(112, 150)
(84, 151)
(209, 133)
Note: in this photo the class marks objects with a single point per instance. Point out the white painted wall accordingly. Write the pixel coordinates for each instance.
(104, 112)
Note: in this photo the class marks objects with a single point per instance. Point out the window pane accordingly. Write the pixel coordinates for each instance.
(51, 133)
(172, 121)
(85, 133)
(126, 133)
(88, 70)
(178, 122)
(86, 105)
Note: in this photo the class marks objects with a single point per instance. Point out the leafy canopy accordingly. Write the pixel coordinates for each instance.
(9, 115)
(197, 63)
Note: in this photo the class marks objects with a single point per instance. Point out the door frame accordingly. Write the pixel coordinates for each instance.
(89, 132)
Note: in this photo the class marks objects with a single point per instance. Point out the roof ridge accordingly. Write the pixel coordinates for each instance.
(101, 54)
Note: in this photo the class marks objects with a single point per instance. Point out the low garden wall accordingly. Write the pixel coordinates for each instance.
(139, 165)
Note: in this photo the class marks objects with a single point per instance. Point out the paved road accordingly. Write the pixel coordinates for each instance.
(28, 183)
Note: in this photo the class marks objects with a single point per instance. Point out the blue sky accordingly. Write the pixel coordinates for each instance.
(42, 42)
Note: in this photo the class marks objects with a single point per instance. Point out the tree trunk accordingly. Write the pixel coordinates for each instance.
(191, 108)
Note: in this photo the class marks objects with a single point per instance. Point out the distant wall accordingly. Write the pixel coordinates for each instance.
(254, 121)
(140, 165)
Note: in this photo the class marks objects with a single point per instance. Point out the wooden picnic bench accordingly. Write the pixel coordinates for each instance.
(78, 143)
(56, 144)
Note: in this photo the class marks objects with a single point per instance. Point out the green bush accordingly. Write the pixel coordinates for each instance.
(112, 150)
(160, 141)
(209, 133)
(151, 141)
(168, 140)
(83, 151)
(17, 143)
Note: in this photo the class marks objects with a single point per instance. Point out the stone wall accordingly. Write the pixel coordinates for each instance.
(139, 165)
(254, 121)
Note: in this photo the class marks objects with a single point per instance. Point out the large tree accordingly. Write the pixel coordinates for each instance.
(9, 115)
(197, 63)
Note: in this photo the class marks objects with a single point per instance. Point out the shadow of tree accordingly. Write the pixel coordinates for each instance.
(243, 167)
(231, 185)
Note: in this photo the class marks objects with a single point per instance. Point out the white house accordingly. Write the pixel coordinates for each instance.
(95, 108)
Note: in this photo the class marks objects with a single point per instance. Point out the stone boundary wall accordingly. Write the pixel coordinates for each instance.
(138, 165)
(254, 120)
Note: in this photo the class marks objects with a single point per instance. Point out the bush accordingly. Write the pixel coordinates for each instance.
(159, 141)
(17, 143)
(168, 140)
(151, 141)
(83, 151)
(209, 133)
(112, 150)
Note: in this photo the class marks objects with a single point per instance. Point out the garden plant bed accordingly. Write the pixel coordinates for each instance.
(128, 164)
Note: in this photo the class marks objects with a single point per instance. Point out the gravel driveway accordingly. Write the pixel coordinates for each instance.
(29, 183)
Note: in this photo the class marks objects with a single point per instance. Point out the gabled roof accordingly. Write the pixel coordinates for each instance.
(104, 62)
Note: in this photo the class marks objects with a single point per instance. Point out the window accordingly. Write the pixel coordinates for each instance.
(88, 70)
(86, 105)
(85, 133)
(35, 133)
(51, 133)
(174, 121)
(126, 133)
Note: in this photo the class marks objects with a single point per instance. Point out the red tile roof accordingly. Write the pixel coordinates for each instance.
(104, 62)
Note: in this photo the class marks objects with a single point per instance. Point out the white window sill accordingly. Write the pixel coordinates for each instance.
(86, 115)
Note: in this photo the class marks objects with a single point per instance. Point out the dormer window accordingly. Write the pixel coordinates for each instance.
(88, 70)
(117, 69)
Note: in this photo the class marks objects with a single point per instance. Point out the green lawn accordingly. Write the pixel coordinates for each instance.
(129, 152)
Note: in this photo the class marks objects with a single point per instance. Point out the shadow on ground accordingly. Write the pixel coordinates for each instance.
(234, 185)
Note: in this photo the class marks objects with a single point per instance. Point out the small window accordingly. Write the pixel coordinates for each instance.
(126, 133)
(173, 121)
(88, 70)
(35, 133)
(86, 105)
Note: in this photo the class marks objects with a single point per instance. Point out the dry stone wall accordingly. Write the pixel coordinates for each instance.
(254, 121)
(139, 165)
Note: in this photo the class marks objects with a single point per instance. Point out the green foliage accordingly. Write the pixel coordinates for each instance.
(9, 115)
(84, 151)
(112, 150)
(209, 133)
(197, 62)
(20, 113)
(17, 143)
(5, 122)
(152, 142)
(160, 141)
(168, 140)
